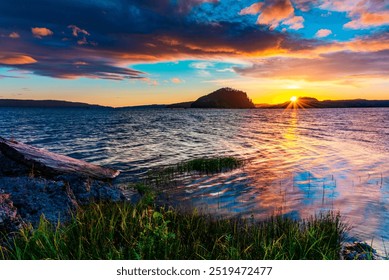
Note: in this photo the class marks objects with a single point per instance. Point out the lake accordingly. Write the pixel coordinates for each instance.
(299, 162)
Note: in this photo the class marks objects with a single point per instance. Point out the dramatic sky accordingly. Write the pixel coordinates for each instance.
(130, 52)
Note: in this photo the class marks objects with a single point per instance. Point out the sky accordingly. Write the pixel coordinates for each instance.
(133, 52)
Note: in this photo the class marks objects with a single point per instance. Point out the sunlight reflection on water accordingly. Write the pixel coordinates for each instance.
(299, 162)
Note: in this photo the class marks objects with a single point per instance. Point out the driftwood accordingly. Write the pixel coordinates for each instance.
(43, 161)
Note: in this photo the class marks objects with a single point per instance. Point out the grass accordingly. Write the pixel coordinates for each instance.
(202, 166)
(209, 165)
(125, 231)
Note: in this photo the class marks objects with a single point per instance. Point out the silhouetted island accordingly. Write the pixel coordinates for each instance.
(310, 102)
(224, 98)
(24, 103)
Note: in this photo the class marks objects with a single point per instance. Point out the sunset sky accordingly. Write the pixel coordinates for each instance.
(132, 52)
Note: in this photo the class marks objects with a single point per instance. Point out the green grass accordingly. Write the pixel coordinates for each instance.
(125, 231)
(209, 165)
(201, 166)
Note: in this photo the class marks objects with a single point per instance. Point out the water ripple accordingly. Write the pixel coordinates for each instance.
(299, 162)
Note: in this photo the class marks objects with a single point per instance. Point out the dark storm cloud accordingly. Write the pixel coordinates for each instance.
(105, 36)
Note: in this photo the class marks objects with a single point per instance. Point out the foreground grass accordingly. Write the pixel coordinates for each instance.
(125, 231)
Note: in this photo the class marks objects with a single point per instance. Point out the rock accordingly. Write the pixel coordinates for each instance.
(10, 221)
(359, 251)
(55, 199)
(55, 188)
(34, 197)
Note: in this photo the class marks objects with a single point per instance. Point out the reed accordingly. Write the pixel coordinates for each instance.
(201, 166)
(125, 231)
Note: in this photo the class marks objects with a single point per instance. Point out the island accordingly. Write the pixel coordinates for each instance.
(227, 98)
(26, 103)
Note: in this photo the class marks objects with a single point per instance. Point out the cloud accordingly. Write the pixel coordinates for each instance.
(295, 22)
(321, 33)
(204, 73)
(14, 59)
(14, 35)
(274, 13)
(176, 80)
(363, 13)
(92, 69)
(230, 69)
(40, 32)
(305, 5)
(367, 20)
(129, 32)
(333, 66)
(8, 76)
(254, 9)
(201, 65)
(339, 5)
(76, 31)
(363, 44)
(151, 82)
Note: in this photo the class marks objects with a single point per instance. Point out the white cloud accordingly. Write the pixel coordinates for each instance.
(201, 65)
(295, 22)
(323, 33)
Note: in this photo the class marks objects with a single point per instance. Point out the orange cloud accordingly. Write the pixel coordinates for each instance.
(323, 33)
(16, 60)
(40, 32)
(363, 13)
(254, 9)
(367, 20)
(273, 12)
(360, 44)
(334, 66)
(14, 35)
(176, 81)
(76, 30)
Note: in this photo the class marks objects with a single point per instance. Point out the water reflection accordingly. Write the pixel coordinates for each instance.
(300, 162)
(299, 176)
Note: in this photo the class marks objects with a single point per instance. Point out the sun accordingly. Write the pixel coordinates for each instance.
(293, 99)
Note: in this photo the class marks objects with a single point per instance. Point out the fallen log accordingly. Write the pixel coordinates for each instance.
(43, 161)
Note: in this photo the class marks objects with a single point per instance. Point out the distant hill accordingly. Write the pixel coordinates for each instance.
(309, 102)
(224, 98)
(184, 105)
(45, 104)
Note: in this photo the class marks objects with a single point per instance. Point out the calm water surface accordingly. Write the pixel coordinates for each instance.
(299, 162)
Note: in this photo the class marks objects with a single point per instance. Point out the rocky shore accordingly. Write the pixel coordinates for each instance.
(36, 183)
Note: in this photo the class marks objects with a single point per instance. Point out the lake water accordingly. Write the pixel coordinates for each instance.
(298, 162)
